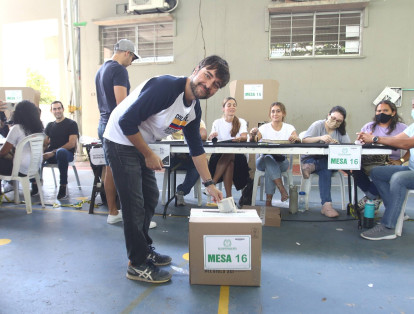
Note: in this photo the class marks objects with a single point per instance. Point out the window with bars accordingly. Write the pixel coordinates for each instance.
(153, 42)
(315, 34)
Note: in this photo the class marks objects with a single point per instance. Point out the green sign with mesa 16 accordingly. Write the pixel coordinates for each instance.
(230, 252)
(344, 157)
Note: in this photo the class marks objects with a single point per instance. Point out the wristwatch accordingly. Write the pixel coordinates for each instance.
(208, 183)
(375, 139)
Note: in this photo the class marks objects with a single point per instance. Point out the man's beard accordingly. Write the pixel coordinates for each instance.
(196, 93)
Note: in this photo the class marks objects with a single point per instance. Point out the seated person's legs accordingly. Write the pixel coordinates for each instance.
(392, 183)
(63, 157)
(273, 170)
(321, 169)
(221, 167)
(191, 177)
(368, 187)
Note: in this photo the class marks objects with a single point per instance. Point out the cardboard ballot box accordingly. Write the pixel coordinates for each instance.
(225, 248)
(269, 215)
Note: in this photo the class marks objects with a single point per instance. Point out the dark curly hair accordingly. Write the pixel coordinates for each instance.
(220, 65)
(394, 120)
(28, 116)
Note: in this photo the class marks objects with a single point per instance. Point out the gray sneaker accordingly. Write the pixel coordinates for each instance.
(147, 272)
(180, 198)
(379, 232)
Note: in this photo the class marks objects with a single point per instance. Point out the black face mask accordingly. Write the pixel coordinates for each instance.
(383, 118)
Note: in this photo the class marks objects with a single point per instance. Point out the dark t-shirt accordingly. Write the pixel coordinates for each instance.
(109, 75)
(59, 133)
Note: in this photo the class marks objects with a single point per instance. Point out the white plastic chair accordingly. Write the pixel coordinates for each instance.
(36, 154)
(306, 184)
(401, 217)
(197, 187)
(259, 178)
(71, 164)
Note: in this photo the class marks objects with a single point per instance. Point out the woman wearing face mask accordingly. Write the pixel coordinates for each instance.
(330, 131)
(392, 182)
(222, 166)
(386, 122)
(274, 165)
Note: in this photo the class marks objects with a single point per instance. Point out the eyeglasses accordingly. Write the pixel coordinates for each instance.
(336, 120)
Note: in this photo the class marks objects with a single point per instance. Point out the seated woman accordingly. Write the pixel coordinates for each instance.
(274, 165)
(26, 119)
(386, 122)
(331, 130)
(222, 166)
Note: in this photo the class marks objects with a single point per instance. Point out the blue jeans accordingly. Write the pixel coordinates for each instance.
(191, 177)
(272, 169)
(365, 184)
(392, 183)
(101, 130)
(138, 192)
(321, 169)
(62, 158)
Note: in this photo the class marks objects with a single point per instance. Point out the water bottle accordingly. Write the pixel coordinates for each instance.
(369, 214)
(302, 201)
(293, 199)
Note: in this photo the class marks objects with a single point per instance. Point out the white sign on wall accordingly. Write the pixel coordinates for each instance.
(14, 95)
(253, 91)
(230, 252)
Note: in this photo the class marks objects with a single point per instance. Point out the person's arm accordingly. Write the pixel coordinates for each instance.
(120, 93)
(200, 162)
(203, 133)
(214, 132)
(293, 138)
(152, 161)
(71, 143)
(243, 132)
(400, 161)
(401, 140)
(6, 148)
(46, 143)
(255, 135)
(313, 134)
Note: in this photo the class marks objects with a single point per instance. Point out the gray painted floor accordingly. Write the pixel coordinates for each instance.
(63, 260)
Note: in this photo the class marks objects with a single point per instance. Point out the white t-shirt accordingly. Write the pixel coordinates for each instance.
(15, 136)
(223, 128)
(269, 133)
(410, 132)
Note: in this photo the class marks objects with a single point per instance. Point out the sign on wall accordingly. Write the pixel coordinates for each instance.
(253, 91)
(13, 96)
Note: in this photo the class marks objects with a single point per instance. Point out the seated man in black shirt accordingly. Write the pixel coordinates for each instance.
(60, 145)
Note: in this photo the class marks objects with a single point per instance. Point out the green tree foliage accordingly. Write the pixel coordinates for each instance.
(38, 82)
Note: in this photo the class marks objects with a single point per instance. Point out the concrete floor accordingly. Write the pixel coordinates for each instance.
(63, 260)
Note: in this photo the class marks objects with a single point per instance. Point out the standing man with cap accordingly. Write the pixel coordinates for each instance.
(112, 87)
(157, 108)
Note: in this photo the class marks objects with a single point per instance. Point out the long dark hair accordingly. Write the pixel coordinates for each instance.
(235, 125)
(342, 111)
(28, 116)
(394, 120)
